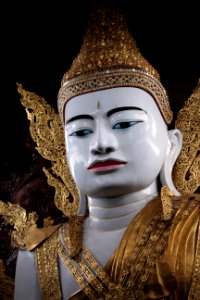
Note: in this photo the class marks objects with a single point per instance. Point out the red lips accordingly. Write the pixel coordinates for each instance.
(106, 165)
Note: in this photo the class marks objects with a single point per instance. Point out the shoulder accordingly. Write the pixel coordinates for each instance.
(185, 205)
(185, 223)
(186, 212)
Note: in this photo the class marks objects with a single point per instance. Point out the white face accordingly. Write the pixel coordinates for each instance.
(116, 141)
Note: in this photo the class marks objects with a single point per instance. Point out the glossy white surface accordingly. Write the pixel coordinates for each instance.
(143, 145)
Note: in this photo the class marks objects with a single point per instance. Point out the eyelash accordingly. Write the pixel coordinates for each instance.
(125, 124)
(117, 126)
(81, 132)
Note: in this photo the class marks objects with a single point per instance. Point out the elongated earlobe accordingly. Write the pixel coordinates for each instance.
(82, 210)
(175, 137)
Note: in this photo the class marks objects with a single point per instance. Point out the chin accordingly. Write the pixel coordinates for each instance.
(110, 191)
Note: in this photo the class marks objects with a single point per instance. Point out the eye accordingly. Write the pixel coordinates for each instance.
(125, 124)
(81, 132)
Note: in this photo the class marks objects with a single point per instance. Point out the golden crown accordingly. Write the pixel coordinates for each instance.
(110, 58)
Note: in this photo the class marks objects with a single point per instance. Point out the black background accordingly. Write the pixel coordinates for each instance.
(40, 40)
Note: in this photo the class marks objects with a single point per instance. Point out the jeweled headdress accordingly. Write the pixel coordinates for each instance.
(110, 58)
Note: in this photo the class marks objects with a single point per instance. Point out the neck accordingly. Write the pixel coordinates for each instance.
(116, 213)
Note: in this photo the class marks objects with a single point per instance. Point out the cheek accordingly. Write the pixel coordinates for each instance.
(148, 149)
(155, 149)
(77, 156)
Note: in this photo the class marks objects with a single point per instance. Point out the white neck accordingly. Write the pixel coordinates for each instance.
(115, 213)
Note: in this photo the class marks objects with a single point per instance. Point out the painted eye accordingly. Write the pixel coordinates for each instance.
(125, 124)
(81, 132)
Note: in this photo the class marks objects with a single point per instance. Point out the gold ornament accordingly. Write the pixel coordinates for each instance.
(47, 131)
(15, 215)
(110, 58)
(186, 172)
(25, 235)
(167, 204)
(47, 263)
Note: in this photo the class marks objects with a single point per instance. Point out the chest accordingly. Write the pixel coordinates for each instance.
(101, 245)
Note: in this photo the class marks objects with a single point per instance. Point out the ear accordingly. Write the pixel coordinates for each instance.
(175, 138)
(82, 204)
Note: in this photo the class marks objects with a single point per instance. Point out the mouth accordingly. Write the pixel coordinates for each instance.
(109, 164)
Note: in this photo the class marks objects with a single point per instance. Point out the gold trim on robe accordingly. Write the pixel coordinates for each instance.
(156, 259)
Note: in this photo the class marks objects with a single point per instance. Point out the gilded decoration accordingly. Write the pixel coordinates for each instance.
(186, 172)
(47, 132)
(25, 235)
(107, 44)
(109, 57)
(116, 78)
(15, 215)
(195, 286)
(167, 202)
(47, 263)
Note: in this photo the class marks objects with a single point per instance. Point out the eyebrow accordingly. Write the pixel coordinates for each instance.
(79, 117)
(115, 110)
(110, 112)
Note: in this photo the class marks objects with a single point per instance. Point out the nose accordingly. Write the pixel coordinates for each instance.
(104, 141)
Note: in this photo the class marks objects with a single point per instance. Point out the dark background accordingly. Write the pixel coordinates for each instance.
(40, 40)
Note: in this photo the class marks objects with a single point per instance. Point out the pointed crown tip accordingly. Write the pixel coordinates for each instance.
(109, 48)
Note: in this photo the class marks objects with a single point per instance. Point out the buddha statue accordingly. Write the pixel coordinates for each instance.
(131, 233)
